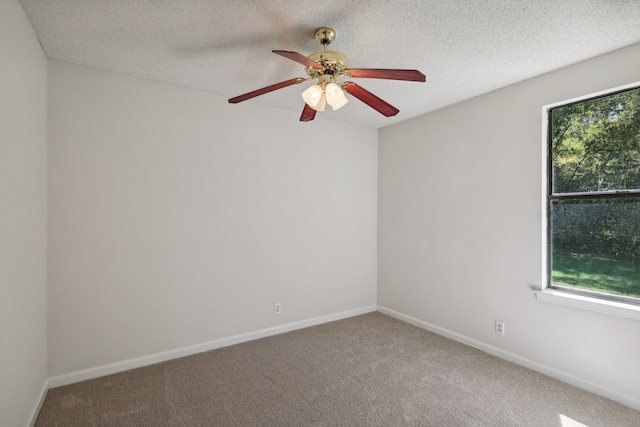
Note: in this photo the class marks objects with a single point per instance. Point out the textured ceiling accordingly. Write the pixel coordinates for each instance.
(464, 47)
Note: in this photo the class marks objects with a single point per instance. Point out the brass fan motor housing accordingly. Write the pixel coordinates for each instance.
(334, 63)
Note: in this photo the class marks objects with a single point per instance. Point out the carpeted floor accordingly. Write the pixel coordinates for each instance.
(369, 370)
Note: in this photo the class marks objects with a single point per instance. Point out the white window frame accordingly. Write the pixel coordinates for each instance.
(557, 296)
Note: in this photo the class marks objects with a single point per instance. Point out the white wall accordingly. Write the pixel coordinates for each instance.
(177, 218)
(23, 217)
(460, 229)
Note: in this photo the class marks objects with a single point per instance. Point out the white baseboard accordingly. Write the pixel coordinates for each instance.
(151, 359)
(36, 409)
(518, 360)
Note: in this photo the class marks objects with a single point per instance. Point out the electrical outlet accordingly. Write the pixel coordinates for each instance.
(500, 326)
(277, 308)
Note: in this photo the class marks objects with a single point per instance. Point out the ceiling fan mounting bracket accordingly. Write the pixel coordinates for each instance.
(325, 36)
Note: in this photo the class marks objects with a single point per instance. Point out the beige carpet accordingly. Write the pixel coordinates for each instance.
(369, 370)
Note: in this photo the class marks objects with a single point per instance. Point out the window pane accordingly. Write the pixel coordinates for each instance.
(595, 245)
(596, 144)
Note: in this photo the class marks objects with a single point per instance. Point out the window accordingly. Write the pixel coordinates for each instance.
(593, 197)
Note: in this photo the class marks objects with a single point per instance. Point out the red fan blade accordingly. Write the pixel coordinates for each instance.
(370, 99)
(380, 73)
(265, 90)
(308, 113)
(300, 58)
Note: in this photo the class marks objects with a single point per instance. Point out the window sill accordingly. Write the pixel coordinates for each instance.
(601, 306)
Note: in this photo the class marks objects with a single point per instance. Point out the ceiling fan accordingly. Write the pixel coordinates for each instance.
(328, 67)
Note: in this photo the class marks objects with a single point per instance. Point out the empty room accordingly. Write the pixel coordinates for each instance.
(341, 213)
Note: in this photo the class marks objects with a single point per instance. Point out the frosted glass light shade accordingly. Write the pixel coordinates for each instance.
(335, 96)
(334, 93)
(320, 105)
(313, 95)
(340, 104)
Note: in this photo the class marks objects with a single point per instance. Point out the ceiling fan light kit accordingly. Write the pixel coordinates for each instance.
(317, 96)
(327, 66)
